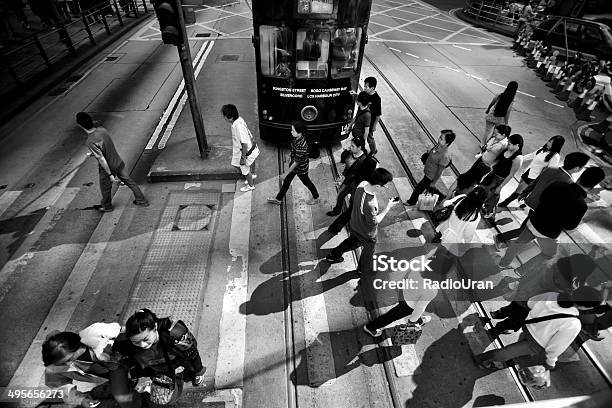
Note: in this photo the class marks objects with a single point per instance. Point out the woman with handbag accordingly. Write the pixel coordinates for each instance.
(498, 112)
(546, 156)
(84, 366)
(164, 350)
(507, 165)
(551, 326)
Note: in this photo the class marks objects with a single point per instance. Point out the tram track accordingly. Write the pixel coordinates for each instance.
(485, 318)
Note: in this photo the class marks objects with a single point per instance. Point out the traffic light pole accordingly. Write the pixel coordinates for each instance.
(189, 77)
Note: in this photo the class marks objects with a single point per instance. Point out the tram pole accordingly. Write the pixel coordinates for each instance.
(189, 77)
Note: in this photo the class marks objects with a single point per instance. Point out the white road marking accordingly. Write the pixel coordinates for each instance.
(452, 69)
(53, 194)
(460, 47)
(394, 49)
(7, 199)
(476, 77)
(476, 44)
(552, 103)
(399, 27)
(412, 55)
(232, 327)
(30, 371)
(526, 94)
(496, 84)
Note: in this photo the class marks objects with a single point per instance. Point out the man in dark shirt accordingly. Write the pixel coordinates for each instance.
(111, 168)
(369, 87)
(361, 122)
(561, 208)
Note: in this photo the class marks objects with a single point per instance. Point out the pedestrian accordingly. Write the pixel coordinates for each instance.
(487, 157)
(354, 158)
(365, 217)
(85, 369)
(561, 208)
(498, 112)
(573, 163)
(111, 167)
(563, 276)
(362, 170)
(438, 158)
(599, 320)
(506, 166)
(551, 326)
(298, 165)
(546, 156)
(244, 148)
(362, 119)
(151, 346)
(369, 86)
(527, 15)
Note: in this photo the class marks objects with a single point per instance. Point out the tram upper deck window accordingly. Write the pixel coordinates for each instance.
(315, 6)
(345, 52)
(276, 45)
(312, 52)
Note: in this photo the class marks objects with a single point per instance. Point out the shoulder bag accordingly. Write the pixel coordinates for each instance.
(166, 389)
(407, 333)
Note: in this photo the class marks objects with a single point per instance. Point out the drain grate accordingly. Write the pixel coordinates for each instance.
(230, 57)
(57, 91)
(202, 35)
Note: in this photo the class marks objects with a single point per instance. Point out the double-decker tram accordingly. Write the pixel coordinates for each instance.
(308, 57)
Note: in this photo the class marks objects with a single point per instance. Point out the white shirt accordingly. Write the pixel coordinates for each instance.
(539, 162)
(240, 134)
(555, 336)
(419, 297)
(456, 233)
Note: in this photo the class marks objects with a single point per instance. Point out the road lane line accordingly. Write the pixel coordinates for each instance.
(30, 371)
(394, 49)
(476, 77)
(232, 327)
(7, 199)
(526, 94)
(412, 55)
(552, 103)
(452, 69)
(460, 47)
(496, 84)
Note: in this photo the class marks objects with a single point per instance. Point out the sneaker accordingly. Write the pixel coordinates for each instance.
(197, 380)
(143, 203)
(274, 201)
(254, 177)
(102, 208)
(313, 201)
(332, 213)
(247, 188)
(329, 258)
(376, 333)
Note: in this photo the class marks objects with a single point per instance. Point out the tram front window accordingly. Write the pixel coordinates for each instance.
(275, 49)
(315, 6)
(312, 52)
(345, 52)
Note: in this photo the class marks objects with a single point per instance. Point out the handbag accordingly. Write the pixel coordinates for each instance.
(166, 389)
(424, 157)
(407, 333)
(427, 202)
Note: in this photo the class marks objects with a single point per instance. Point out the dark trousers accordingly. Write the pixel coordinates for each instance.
(525, 346)
(303, 178)
(515, 314)
(344, 190)
(419, 189)
(515, 233)
(398, 312)
(473, 176)
(372, 144)
(353, 242)
(118, 388)
(106, 186)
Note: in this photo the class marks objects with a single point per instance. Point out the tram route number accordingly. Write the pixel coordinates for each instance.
(31, 393)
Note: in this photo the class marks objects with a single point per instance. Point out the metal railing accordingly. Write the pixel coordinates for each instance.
(499, 12)
(42, 51)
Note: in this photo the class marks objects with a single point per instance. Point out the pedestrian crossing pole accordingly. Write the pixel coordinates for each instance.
(189, 77)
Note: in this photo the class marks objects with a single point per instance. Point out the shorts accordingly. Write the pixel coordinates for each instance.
(246, 168)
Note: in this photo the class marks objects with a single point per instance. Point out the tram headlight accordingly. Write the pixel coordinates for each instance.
(270, 117)
(309, 113)
(350, 111)
(265, 112)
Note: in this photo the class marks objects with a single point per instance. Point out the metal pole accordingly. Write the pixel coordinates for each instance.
(187, 65)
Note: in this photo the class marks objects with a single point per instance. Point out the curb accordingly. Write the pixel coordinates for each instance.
(170, 176)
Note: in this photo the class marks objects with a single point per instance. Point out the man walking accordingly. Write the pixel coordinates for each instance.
(561, 208)
(350, 182)
(573, 163)
(244, 148)
(369, 87)
(361, 122)
(437, 160)
(110, 166)
(365, 217)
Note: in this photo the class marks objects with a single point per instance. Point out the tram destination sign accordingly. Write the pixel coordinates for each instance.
(312, 93)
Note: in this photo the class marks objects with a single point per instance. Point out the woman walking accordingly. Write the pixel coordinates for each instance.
(507, 165)
(546, 156)
(498, 112)
(298, 165)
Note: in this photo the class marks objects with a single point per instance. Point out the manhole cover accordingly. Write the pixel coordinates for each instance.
(230, 57)
(57, 91)
(193, 217)
(202, 35)
(111, 58)
(74, 78)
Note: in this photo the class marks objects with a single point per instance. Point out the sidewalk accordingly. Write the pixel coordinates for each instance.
(39, 59)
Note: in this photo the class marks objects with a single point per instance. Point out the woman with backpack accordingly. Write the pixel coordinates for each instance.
(551, 326)
(162, 349)
(498, 112)
(546, 156)
(507, 165)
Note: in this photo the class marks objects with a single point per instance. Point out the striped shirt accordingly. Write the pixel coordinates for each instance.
(299, 155)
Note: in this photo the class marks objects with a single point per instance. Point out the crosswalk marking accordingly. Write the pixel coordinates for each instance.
(232, 327)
